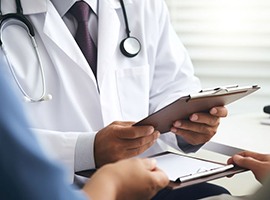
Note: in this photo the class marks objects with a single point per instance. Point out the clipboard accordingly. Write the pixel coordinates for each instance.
(202, 101)
(227, 170)
(213, 170)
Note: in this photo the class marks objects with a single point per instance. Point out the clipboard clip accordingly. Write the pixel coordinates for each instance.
(202, 173)
(213, 91)
(219, 89)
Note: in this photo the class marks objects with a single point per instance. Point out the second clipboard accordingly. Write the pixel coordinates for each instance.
(202, 101)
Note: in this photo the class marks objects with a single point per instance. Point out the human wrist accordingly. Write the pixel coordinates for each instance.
(103, 185)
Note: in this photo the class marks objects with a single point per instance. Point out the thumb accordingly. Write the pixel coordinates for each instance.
(245, 162)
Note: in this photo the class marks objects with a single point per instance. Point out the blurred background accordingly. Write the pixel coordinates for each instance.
(229, 43)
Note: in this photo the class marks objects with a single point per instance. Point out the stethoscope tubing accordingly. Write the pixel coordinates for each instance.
(129, 46)
(26, 24)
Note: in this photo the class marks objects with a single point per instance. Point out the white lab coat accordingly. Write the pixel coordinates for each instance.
(127, 89)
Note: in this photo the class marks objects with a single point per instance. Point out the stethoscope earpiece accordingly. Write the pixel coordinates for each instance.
(130, 46)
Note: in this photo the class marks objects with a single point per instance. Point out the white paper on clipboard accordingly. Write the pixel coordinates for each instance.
(202, 101)
(183, 168)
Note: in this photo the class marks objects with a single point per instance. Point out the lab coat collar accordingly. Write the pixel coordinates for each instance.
(29, 6)
(62, 6)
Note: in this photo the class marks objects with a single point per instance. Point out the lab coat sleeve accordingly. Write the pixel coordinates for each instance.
(84, 158)
(173, 75)
(68, 146)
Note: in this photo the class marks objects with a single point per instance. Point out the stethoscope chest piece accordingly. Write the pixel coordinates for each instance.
(130, 46)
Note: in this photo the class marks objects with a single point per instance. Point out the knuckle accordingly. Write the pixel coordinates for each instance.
(141, 142)
(217, 122)
(210, 133)
(214, 121)
(115, 123)
(131, 134)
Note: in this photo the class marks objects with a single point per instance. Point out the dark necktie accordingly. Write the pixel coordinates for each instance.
(81, 11)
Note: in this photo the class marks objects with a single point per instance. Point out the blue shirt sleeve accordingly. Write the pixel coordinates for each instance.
(25, 171)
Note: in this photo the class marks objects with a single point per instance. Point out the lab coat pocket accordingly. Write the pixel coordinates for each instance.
(133, 92)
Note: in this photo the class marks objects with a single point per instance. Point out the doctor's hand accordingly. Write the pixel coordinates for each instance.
(121, 140)
(258, 163)
(200, 127)
(133, 179)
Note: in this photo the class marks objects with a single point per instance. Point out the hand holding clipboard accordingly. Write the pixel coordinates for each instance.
(202, 101)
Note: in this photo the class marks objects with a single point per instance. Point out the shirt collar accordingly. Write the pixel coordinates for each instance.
(62, 6)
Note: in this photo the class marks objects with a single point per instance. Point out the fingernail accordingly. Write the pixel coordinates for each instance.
(213, 111)
(177, 124)
(194, 117)
(150, 131)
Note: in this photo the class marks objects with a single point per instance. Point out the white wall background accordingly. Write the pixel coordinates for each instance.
(229, 43)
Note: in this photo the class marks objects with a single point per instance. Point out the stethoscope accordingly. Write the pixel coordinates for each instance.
(130, 46)
(19, 19)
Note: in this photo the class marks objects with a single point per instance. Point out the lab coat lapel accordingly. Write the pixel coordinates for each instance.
(56, 30)
(108, 34)
(52, 25)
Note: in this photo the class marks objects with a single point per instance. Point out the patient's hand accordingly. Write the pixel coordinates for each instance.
(133, 179)
(258, 163)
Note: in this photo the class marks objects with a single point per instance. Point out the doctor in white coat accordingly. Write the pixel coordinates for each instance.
(71, 123)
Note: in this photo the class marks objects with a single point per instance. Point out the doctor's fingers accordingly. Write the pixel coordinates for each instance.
(203, 118)
(204, 130)
(194, 138)
(220, 111)
(132, 152)
(121, 150)
(132, 132)
(137, 143)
